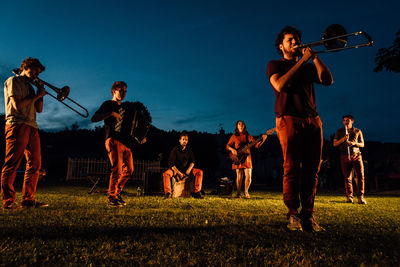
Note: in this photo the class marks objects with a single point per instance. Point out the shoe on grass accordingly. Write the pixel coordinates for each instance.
(247, 196)
(349, 200)
(310, 224)
(196, 195)
(33, 204)
(294, 223)
(361, 200)
(120, 200)
(12, 206)
(113, 202)
(167, 196)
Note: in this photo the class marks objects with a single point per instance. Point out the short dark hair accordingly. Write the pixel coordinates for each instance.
(281, 35)
(184, 133)
(118, 84)
(30, 63)
(349, 117)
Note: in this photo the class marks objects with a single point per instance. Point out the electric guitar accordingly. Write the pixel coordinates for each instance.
(242, 151)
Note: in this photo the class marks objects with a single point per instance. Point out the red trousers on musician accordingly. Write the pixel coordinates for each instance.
(121, 166)
(350, 167)
(198, 176)
(301, 141)
(21, 139)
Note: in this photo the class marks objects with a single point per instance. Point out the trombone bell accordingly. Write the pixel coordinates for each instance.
(63, 93)
(331, 34)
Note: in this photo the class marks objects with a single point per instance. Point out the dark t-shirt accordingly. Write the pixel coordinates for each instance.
(109, 123)
(181, 159)
(355, 134)
(297, 98)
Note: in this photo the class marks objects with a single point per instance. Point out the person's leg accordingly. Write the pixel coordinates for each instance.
(33, 164)
(287, 130)
(247, 182)
(113, 155)
(127, 168)
(347, 168)
(359, 173)
(311, 161)
(16, 141)
(198, 182)
(239, 179)
(167, 175)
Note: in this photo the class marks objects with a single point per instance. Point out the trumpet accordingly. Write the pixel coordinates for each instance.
(62, 94)
(335, 38)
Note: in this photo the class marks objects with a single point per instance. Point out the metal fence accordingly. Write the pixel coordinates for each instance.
(89, 168)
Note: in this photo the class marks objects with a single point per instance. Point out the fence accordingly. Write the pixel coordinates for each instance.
(87, 168)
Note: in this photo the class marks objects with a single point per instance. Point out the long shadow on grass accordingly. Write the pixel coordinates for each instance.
(246, 236)
(244, 233)
(250, 232)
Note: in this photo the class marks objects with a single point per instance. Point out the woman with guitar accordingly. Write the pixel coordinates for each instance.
(239, 146)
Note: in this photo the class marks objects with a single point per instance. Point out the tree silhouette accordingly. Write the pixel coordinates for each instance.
(389, 58)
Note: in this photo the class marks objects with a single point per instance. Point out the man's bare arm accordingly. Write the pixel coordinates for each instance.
(190, 168)
(324, 74)
(279, 82)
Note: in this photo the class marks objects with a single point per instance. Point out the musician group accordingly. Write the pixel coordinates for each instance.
(298, 127)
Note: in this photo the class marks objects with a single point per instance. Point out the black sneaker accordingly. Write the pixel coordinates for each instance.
(197, 195)
(114, 203)
(120, 200)
(33, 204)
(167, 196)
(12, 206)
(311, 225)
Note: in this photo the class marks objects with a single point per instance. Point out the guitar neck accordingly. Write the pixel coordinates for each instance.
(251, 144)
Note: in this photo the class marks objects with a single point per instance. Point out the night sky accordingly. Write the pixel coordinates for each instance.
(200, 65)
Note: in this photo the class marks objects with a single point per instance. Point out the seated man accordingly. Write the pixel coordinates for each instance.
(180, 165)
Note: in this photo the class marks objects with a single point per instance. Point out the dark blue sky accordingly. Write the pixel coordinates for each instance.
(199, 64)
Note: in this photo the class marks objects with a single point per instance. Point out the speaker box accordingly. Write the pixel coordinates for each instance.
(153, 184)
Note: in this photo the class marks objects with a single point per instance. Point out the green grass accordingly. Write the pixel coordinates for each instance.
(80, 229)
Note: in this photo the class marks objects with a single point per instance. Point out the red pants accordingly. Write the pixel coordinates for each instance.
(20, 139)
(301, 141)
(121, 166)
(168, 174)
(356, 165)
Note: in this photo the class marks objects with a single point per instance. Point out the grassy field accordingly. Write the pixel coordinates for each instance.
(80, 229)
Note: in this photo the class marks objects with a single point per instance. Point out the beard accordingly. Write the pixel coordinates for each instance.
(292, 52)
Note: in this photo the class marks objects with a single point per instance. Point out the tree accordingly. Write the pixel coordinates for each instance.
(75, 127)
(389, 58)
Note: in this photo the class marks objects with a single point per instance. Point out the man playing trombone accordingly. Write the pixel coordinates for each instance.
(298, 125)
(21, 133)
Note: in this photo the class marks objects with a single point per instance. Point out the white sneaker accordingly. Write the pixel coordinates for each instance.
(294, 223)
(361, 200)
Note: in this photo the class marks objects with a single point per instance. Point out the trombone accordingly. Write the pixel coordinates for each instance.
(62, 94)
(335, 38)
